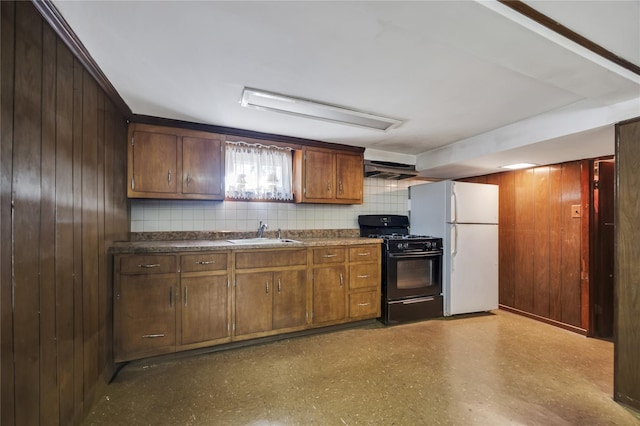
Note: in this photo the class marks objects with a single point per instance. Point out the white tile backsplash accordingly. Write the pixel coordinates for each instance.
(380, 197)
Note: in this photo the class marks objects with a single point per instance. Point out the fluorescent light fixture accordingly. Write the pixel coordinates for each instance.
(269, 101)
(517, 166)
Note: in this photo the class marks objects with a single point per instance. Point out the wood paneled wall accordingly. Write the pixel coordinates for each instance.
(62, 201)
(541, 244)
(626, 383)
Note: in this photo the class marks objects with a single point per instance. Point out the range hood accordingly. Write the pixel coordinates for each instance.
(389, 170)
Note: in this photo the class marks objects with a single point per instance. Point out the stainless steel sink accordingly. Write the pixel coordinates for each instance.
(262, 241)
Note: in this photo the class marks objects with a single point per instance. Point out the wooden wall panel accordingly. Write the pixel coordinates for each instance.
(626, 384)
(541, 245)
(524, 231)
(62, 162)
(571, 231)
(555, 242)
(507, 239)
(7, 56)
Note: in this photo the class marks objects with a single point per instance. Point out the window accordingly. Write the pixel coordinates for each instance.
(258, 172)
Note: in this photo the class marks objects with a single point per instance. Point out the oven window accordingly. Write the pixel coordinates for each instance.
(415, 273)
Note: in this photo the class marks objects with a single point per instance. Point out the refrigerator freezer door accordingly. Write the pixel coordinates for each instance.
(471, 269)
(473, 203)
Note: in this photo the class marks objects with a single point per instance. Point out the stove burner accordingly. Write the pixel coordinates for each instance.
(400, 237)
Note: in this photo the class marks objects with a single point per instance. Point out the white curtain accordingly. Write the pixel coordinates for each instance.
(258, 172)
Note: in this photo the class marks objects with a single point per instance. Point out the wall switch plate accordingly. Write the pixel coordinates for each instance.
(575, 210)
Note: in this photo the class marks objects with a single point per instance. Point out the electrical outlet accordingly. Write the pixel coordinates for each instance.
(576, 210)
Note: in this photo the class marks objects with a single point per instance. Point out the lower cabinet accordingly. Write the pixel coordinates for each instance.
(178, 301)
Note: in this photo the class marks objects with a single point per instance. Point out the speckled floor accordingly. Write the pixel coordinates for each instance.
(498, 369)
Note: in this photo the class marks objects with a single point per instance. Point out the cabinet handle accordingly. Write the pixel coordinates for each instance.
(169, 178)
(364, 254)
(148, 265)
(363, 276)
(340, 186)
(329, 255)
(364, 304)
(152, 336)
(279, 285)
(341, 280)
(186, 295)
(328, 186)
(205, 262)
(171, 297)
(188, 178)
(267, 286)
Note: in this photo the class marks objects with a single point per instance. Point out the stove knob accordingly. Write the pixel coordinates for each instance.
(400, 246)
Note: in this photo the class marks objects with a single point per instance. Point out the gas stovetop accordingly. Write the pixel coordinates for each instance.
(401, 237)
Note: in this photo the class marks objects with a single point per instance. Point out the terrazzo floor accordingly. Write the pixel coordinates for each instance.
(490, 369)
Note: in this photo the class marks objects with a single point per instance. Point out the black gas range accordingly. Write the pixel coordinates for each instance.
(411, 269)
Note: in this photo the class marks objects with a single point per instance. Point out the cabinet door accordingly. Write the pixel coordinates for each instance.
(144, 314)
(153, 166)
(319, 175)
(253, 302)
(350, 176)
(202, 167)
(289, 298)
(204, 308)
(329, 293)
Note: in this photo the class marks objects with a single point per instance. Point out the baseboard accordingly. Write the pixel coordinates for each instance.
(559, 324)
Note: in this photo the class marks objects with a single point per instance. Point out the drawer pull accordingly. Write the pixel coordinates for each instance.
(363, 276)
(148, 265)
(364, 254)
(152, 336)
(204, 262)
(329, 255)
(364, 304)
(341, 279)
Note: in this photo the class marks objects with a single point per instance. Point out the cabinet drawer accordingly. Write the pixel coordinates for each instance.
(150, 264)
(363, 275)
(366, 253)
(329, 255)
(270, 258)
(364, 304)
(203, 262)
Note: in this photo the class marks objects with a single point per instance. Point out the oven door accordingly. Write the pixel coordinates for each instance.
(413, 275)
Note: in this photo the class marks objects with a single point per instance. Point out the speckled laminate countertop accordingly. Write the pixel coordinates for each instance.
(154, 244)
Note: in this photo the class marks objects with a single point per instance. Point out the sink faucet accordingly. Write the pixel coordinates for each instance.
(261, 229)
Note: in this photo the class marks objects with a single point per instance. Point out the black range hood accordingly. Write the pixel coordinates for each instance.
(389, 170)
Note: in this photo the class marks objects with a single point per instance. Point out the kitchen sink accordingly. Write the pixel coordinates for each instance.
(261, 241)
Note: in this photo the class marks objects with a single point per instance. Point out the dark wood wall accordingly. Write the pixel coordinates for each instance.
(542, 246)
(62, 201)
(626, 384)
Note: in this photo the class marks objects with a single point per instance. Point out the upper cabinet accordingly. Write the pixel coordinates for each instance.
(328, 176)
(174, 163)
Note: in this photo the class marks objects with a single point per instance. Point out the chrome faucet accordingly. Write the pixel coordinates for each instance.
(261, 229)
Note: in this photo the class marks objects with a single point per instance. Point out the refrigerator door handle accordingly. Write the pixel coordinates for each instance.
(454, 204)
(454, 245)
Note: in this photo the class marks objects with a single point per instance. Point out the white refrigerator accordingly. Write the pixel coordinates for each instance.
(465, 216)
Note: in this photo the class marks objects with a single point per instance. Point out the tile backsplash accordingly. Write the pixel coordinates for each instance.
(380, 197)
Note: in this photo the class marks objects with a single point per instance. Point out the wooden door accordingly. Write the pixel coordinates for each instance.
(603, 261)
(319, 175)
(290, 298)
(204, 308)
(202, 167)
(144, 312)
(350, 176)
(154, 163)
(329, 293)
(253, 302)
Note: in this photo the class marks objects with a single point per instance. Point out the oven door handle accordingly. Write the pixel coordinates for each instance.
(423, 254)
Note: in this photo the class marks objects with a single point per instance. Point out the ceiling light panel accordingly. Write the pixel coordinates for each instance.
(269, 101)
(517, 166)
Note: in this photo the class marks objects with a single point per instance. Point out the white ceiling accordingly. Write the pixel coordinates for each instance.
(477, 84)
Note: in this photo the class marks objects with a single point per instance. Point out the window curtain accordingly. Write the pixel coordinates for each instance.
(258, 172)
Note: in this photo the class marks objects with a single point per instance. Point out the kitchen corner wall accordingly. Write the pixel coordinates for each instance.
(380, 197)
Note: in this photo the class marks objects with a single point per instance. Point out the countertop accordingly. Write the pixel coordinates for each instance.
(173, 246)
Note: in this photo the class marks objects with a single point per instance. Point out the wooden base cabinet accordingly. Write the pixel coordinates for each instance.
(270, 291)
(329, 284)
(364, 281)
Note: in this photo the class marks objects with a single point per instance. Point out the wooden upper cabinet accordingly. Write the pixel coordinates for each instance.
(328, 176)
(202, 162)
(171, 163)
